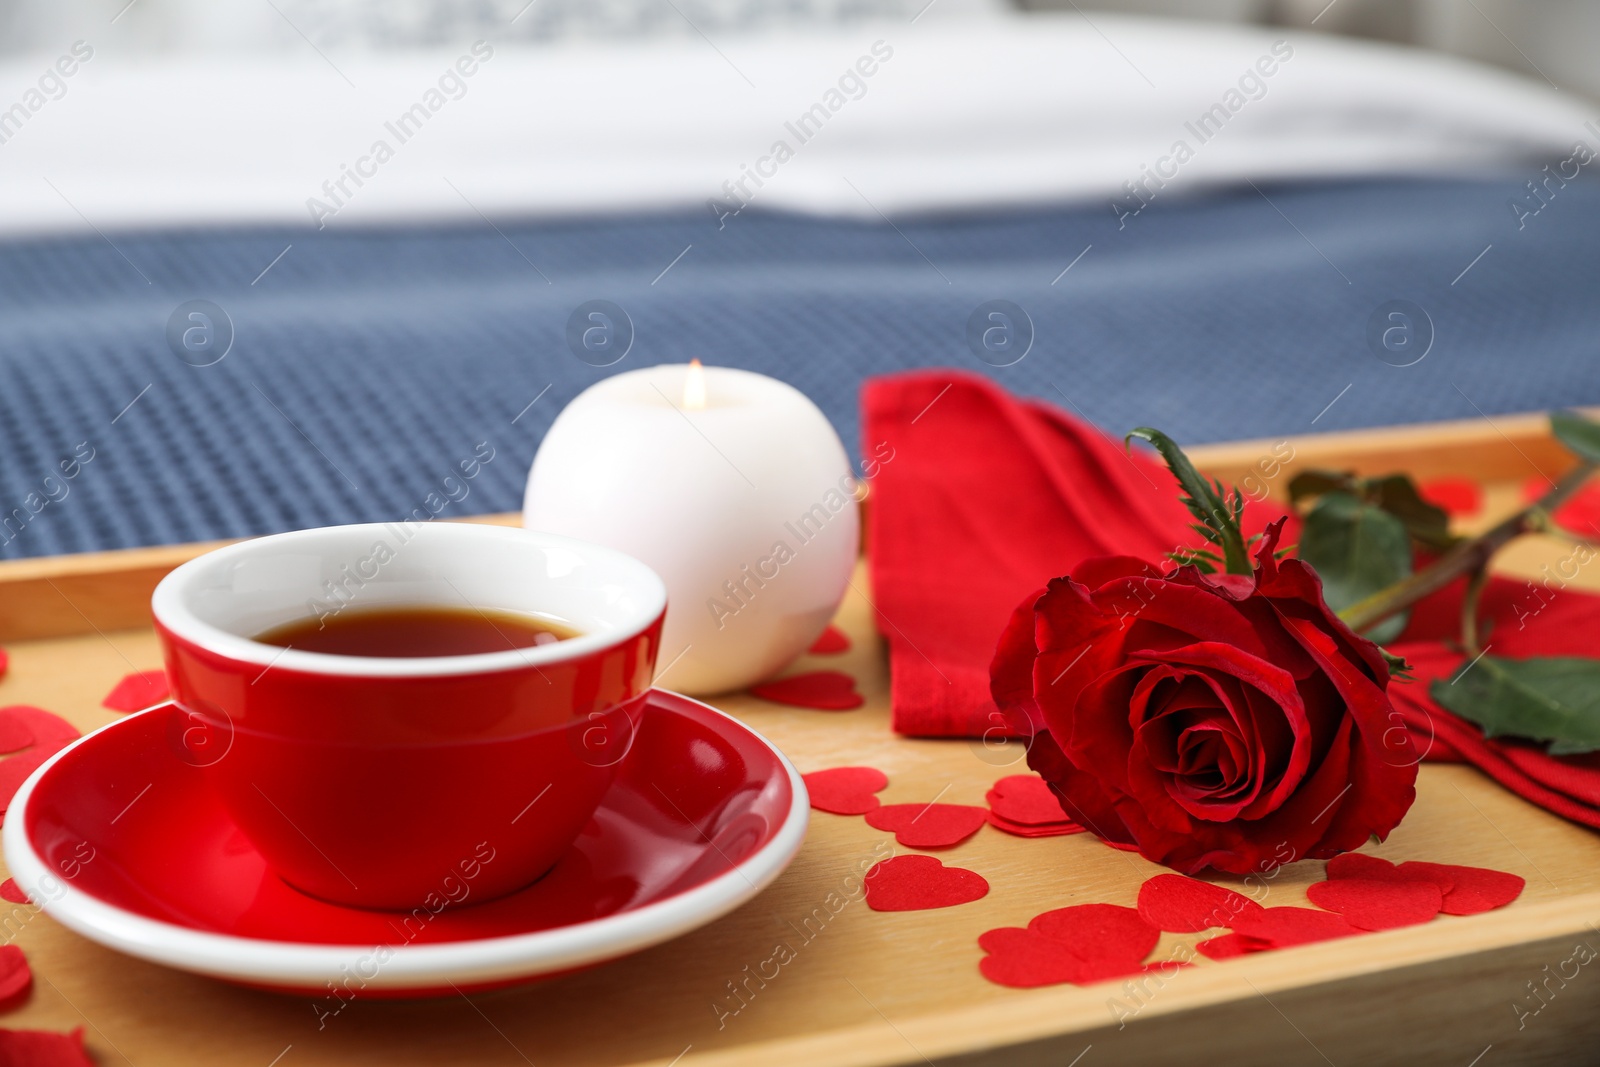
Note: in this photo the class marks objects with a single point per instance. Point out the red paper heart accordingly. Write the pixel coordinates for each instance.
(9, 890)
(1378, 904)
(5, 661)
(1187, 905)
(845, 790)
(1457, 496)
(1023, 959)
(43, 1048)
(15, 733)
(1026, 799)
(1081, 944)
(1285, 927)
(138, 691)
(1055, 829)
(1229, 946)
(1358, 865)
(1099, 932)
(1580, 513)
(928, 825)
(1466, 890)
(14, 770)
(832, 641)
(919, 883)
(15, 977)
(824, 690)
(47, 735)
(22, 725)
(1472, 890)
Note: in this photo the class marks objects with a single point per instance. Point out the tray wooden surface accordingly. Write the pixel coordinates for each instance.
(867, 988)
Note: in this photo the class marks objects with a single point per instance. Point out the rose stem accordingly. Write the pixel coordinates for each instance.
(1468, 556)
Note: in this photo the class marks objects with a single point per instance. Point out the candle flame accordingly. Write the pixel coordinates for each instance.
(694, 387)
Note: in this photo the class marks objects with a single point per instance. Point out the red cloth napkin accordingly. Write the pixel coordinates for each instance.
(985, 497)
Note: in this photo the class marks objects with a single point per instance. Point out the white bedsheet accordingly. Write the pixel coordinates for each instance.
(955, 114)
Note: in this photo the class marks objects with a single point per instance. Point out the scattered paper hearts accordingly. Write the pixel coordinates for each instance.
(845, 790)
(1286, 927)
(1081, 944)
(928, 825)
(1473, 890)
(831, 643)
(43, 1048)
(22, 725)
(1185, 905)
(1371, 904)
(10, 890)
(1026, 799)
(1458, 496)
(1463, 890)
(41, 734)
(15, 977)
(824, 690)
(138, 691)
(920, 883)
(1017, 829)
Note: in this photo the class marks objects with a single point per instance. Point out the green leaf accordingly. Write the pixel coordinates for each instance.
(1357, 549)
(1208, 502)
(1553, 698)
(1427, 523)
(1309, 484)
(1580, 434)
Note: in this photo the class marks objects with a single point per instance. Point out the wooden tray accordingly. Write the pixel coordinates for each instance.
(869, 988)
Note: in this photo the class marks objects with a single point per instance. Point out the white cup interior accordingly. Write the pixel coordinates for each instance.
(222, 599)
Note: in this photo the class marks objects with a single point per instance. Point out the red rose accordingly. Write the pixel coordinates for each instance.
(1222, 721)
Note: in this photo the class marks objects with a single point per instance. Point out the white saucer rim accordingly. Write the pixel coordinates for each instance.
(478, 961)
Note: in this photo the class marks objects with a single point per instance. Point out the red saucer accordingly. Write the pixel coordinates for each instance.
(704, 813)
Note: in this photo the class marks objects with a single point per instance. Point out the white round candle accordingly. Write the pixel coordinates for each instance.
(732, 486)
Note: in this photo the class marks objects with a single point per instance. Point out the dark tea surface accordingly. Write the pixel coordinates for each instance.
(416, 631)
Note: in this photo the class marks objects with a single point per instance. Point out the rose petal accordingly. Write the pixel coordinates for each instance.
(1378, 904)
(928, 825)
(919, 883)
(1187, 905)
(824, 690)
(15, 977)
(1230, 946)
(138, 691)
(9, 890)
(845, 790)
(1099, 932)
(831, 642)
(1017, 829)
(1472, 889)
(1026, 799)
(43, 1048)
(1283, 927)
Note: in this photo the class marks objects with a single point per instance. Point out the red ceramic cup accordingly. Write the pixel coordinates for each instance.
(401, 783)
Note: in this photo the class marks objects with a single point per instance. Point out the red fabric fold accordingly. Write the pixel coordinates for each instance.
(984, 497)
